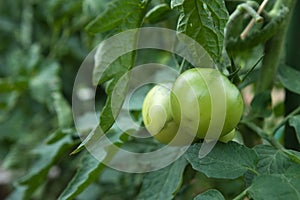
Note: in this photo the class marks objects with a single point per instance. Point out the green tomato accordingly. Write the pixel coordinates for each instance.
(158, 120)
(228, 137)
(206, 103)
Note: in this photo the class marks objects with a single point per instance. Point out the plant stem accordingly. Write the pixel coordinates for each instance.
(241, 195)
(273, 49)
(292, 100)
(249, 26)
(263, 134)
(296, 111)
(272, 141)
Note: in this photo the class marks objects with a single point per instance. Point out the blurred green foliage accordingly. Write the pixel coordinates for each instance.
(42, 47)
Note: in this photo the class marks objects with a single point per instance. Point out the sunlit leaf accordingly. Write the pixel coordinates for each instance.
(204, 21)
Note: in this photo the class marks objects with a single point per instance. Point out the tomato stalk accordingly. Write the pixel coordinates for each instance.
(274, 48)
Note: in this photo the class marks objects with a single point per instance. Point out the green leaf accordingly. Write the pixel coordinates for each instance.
(91, 140)
(279, 187)
(63, 110)
(261, 105)
(295, 122)
(249, 177)
(111, 50)
(157, 13)
(48, 155)
(211, 194)
(13, 84)
(229, 161)
(88, 172)
(91, 167)
(16, 158)
(251, 78)
(293, 155)
(94, 139)
(293, 176)
(18, 193)
(204, 21)
(113, 107)
(175, 3)
(271, 160)
(7, 103)
(45, 82)
(164, 183)
(125, 14)
(289, 78)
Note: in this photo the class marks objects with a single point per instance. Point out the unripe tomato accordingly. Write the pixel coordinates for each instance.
(158, 120)
(204, 99)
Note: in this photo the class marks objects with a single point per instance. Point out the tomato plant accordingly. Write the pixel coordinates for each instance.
(247, 96)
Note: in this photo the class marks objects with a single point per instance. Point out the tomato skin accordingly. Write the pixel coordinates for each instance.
(195, 94)
(158, 119)
(202, 103)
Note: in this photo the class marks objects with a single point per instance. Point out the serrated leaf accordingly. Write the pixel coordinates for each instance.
(271, 160)
(118, 13)
(88, 172)
(295, 122)
(289, 78)
(210, 195)
(229, 161)
(164, 183)
(204, 21)
(48, 154)
(279, 187)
